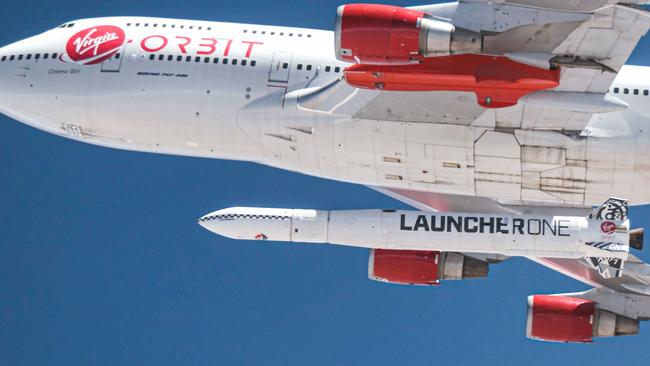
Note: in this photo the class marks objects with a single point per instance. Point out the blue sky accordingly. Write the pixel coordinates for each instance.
(102, 262)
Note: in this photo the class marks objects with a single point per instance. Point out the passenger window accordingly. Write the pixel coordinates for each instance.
(199, 28)
(46, 55)
(308, 67)
(299, 66)
(243, 62)
(253, 63)
(337, 70)
(636, 91)
(117, 56)
(173, 25)
(20, 57)
(54, 55)
(309, 36)
(216, 60)
(285, 65)
(234, 61)
(12, 57)
(4, 58)
(146, 24)
(616, 90)
(161, 57)
(225, 61)
(70, 25)
(188, 59)
(626, 91)
(37, 56)
(164, 25)
(209, 28)
(645, 92)
(179, 58)
(197, 59)
(328, 69)
(29, 56)
(206, 60)
(128, 24)
(170, 58)
(155, 25)
(152, 57)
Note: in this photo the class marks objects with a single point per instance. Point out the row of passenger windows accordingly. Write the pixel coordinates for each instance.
(206, 60)
(178, 58)
(273, 33)
(634, 91)
(309, 67)
(200, 27)
(225, 61)
(28, 56)
(173, 26)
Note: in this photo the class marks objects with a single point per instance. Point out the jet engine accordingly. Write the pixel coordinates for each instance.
(389, 35)
(413, 267)
(567, 319)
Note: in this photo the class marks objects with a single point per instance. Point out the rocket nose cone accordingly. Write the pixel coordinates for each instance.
(228, 222)
(210, 222)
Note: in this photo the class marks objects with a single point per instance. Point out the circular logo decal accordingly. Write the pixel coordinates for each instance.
(94, 45)
(608, 228)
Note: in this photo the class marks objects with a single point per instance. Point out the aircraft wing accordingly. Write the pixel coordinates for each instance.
(635, 279)
(589, 41)
(579, 5)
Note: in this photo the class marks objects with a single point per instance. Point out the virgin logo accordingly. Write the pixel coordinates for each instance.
(94, 45)
(608, 228)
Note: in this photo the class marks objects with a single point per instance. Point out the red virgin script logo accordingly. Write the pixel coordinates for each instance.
(608, 228)
(94, 45)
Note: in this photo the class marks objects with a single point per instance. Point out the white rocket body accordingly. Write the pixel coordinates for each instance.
(534, 236)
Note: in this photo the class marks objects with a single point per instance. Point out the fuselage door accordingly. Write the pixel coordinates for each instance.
(280, 67)
(114, 63)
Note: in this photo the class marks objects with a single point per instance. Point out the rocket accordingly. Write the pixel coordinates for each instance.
(509, 235)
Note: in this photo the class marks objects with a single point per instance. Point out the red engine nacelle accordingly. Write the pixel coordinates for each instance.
(568, 319)
(384, 34)
(413, 267)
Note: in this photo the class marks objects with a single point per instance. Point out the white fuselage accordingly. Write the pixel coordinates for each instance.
(262, 94)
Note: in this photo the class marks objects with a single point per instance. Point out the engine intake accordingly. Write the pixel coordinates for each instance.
(567, 319)
(389, 35)
(413, 267)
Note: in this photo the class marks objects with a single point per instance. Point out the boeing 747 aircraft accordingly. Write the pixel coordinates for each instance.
(513, 127)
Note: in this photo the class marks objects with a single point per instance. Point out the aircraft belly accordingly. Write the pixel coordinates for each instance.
(514, 166)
